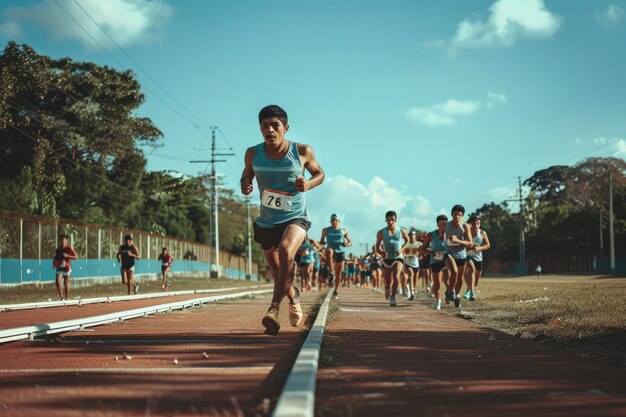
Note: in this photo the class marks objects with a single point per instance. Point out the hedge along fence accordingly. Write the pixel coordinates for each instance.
(27, 245)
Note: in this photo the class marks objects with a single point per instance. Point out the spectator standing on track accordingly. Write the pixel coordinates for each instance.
(391, 238)
(62, 260)
(458, 240)
(475, 257)
(434, 246)
(166, 263)
(338, 238)
(280, 229)
(126, 256)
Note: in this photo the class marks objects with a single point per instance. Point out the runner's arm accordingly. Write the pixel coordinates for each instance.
(248, 173)
(379, 239)
(487, 244)
(347, 241)
(310, 164)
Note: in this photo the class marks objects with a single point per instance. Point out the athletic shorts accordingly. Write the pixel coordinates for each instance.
(375, 266)
(163, 268)
(269, 238)
(127, 268)
(297, 259)
(316, 268)
(388, 262)
(65, 271)
(478, 265)
(338, 256)
(459, 262)
(414, 268)
(303, 264)
(437, 267)
(425, 263)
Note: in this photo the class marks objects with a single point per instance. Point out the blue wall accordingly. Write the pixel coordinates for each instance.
(12, 271)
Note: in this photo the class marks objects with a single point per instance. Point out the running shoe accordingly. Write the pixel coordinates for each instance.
(295, 314)
(392, 301)
(335, 295)
(437, 304)
(411, 297)
(136, 289)
(467, 294)
(270, 321)
(450, 295)
(457, 302)
(331, 280)
(472, 296)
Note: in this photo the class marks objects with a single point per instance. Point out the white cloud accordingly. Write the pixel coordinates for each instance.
(12, 28)
(612, 16)
(600, 141)
(495, 99)
(444, 114)
(578, 141)
(620, 151)
(126, 21)
(362, 208)
(508, 21)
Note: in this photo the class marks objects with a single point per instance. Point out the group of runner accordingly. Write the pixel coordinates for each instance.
(454, 248)
(127, 254)
(449, 255)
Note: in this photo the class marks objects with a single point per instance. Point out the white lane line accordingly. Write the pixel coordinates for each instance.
(135, 370)
(30, 332)
(45, 304)
(206, 341)
(298, 396)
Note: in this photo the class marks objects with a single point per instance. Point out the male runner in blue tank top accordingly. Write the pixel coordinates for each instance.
(391, 238)
(458, 240)
(335, 238)
(278, 165)
(474, 268)
(434, 246)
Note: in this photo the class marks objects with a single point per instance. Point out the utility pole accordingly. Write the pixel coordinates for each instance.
(249, 274)
(215, 232)
(611, 230)
(522, 239)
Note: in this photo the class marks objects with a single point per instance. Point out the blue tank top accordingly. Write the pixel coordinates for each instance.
(307, 257)
(316, 258)
(476, 255)
(437, 247)
(334, 239)
(457, 251)
(392, 243)
(280, 201)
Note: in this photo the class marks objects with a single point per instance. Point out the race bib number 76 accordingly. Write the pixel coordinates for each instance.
(277, 200)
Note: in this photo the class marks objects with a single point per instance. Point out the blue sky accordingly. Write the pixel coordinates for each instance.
(410, 105)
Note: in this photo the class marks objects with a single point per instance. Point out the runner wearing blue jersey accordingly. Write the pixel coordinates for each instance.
(336, 239)
(278, 165)
(458, 240)
(390, 244)
(474, 268)
(434, 246)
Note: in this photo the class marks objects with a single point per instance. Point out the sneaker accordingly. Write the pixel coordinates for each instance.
(411, 297)
(335, 295)
(295, 314)
(467, 294)
(472, 296)
(331, 280)
(136, 289)
(270, 321)
(446, 298)
(457, 302)
(450, 295)
(437, 304)
(392, 301)
(387, 293)
(401, 291)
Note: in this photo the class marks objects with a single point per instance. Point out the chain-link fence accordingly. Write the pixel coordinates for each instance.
(27, 246)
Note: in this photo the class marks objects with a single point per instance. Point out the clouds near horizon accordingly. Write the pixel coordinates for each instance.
(447, 113)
